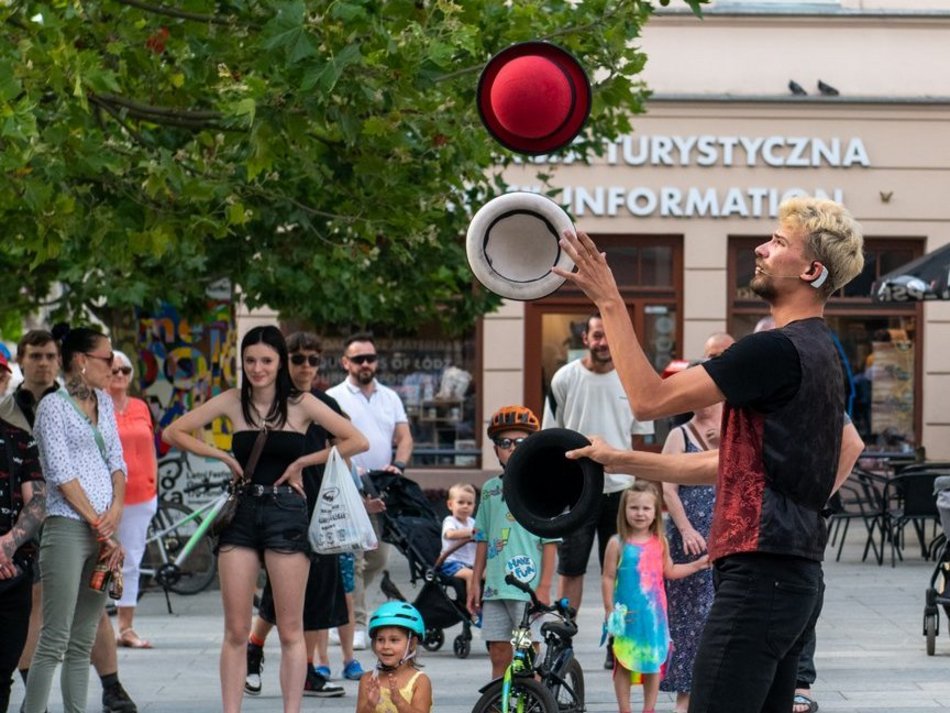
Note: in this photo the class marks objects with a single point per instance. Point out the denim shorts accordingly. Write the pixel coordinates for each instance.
(269, 522)
(450, 568)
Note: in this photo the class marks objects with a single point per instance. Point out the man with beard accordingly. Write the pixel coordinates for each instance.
(379, 414)
(784, 450)
(587, 396)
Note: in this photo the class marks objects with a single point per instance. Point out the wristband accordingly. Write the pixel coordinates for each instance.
(399, 465)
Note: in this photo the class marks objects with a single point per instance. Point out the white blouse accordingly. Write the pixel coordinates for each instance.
(68, 451)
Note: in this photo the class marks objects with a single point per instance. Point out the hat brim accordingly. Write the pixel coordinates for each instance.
(513, 242)
(580, 107)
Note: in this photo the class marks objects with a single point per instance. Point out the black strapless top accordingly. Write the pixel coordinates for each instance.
(280, 450)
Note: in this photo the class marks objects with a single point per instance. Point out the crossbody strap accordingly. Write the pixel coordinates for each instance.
(700, 441)
(255, 456)
(97, 434)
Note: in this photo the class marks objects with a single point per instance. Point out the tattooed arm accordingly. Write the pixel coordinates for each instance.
(27, 524)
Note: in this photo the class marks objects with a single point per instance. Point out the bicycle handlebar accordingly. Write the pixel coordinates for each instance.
(561, 606)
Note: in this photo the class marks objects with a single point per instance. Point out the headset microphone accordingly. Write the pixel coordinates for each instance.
(816, 283)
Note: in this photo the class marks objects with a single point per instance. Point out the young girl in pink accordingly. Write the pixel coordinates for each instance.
(636, 563)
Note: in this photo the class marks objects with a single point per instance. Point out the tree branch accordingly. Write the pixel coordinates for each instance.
(181, 14)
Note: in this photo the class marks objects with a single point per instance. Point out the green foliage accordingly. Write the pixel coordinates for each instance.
(320, 155)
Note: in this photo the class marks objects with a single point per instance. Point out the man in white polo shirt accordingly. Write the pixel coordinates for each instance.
(379, 414)
(587, 396)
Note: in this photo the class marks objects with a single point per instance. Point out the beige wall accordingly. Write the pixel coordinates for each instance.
(903, 192)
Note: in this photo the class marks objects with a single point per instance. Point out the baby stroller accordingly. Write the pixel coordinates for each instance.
(939, 591)
(411, 525)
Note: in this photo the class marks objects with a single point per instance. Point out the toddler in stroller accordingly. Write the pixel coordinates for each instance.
(938, 594)
(411, 525)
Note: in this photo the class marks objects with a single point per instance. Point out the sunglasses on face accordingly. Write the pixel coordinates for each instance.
(124, 370)
(107, 359)
(300, 359)
(363, 359)
(508, 443)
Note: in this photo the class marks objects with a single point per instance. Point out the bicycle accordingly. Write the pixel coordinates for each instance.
(556, 684)
(179, 549)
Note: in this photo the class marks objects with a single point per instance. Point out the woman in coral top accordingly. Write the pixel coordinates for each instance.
(141, 495)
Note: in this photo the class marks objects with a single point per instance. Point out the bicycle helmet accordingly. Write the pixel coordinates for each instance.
(401, 614)
(513, 417)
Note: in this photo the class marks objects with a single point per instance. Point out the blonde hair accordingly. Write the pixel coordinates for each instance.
(461, 487)
(656, 527)
(834, 238)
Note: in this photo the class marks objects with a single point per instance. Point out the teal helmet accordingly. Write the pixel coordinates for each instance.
(400, 614)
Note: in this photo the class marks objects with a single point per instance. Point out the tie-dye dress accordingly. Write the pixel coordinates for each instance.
(645, 644)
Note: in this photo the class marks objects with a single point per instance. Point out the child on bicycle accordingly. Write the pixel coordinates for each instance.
(456, 529)
(503, 546)
(395, 685)
(635, 564)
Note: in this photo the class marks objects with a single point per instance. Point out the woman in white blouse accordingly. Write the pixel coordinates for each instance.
(82, 462)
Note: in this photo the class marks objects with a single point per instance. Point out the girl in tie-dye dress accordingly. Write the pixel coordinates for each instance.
(636, 563)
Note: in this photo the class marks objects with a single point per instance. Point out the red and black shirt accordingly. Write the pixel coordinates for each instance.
(781, 438)
(19, 463)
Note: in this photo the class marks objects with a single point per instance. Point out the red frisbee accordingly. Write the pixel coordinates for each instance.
(534, 97)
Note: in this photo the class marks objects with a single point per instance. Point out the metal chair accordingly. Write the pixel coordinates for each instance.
(909, 498)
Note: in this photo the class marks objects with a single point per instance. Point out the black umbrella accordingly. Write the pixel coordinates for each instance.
(925, 278)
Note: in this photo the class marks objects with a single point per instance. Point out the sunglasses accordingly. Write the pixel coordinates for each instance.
(300, 359)
(363, 359)
(107, 359)
(124, 370)
(508, 443)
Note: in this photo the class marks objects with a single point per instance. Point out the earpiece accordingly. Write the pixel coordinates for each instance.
(822, 277)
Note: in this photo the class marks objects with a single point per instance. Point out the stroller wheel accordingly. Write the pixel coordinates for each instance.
(930, 630)
(434, 640)
(462, 647)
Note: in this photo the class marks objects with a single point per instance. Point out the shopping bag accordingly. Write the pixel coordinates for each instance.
(340, 523)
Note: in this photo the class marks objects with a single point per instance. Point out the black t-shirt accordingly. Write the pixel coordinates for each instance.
(316, 440)
(762, 371)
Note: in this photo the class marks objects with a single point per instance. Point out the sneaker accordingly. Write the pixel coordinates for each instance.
(334, 637)
(359, 641)
(116, 700)
(323, 671)
(318, 687)
(609, 661)
(255, 663)
(352, 671)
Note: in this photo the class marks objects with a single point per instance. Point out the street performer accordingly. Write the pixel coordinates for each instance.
(778, 462)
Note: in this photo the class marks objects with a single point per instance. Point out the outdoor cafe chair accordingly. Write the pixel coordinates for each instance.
(909, 499)
(848, 504)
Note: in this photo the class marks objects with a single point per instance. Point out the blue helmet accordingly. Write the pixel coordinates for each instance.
(400, 614)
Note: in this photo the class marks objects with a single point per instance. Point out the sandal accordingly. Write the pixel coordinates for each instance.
(130, 640)
(807, 705)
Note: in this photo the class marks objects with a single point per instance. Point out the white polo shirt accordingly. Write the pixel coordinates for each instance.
(375, 417)
(595, 405)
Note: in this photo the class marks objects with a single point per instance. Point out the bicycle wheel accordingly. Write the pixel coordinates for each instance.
(570, 697)
(199, 568)
(527, 696)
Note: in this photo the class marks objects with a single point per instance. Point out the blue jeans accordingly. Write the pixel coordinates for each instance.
(748, 655)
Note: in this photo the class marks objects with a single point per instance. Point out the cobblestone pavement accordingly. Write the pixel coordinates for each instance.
(871, 654)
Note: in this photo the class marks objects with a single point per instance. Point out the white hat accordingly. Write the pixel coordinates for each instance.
(513, 243)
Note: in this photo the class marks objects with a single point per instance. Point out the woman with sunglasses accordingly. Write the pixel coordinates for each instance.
(270, 525)
(141, 494)
(81, 457)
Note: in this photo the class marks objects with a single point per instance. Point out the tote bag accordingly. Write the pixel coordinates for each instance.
(340, 523)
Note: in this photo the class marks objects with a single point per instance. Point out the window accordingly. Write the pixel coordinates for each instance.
(881, 342)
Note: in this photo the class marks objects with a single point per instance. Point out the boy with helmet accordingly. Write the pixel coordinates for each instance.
(395, 630)
(504, 547)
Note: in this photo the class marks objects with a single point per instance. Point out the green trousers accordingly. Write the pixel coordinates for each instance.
(71, 611)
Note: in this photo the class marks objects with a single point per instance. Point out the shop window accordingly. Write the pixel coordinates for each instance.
(434, 376)
(881, 342)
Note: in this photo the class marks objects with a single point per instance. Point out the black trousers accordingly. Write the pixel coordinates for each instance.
(748, 654)
(15, 606)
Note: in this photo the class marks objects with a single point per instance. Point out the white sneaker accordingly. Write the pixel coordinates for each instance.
(334, 637)
(359, 641)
